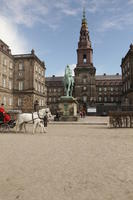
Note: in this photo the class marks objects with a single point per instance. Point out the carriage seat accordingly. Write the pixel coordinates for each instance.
(1, 118)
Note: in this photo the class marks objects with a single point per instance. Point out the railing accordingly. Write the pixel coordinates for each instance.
(121, 119)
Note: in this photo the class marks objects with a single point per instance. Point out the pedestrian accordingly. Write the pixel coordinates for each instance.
(45, 120)
(57, 116)
(36, 106)
(84, 113)
(81, 113)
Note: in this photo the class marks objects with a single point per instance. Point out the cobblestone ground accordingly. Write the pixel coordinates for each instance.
(69, 162)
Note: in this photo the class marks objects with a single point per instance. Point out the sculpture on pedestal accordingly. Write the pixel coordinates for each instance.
(68, 81)
(68, 104)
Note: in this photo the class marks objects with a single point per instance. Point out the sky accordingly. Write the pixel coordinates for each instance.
(52, 29)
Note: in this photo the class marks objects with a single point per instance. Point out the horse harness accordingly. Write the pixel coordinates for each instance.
(44, 119)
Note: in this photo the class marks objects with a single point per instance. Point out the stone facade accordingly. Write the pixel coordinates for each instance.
(55, 89)
(127, 77)
(6, 76)
(29, 82)
(22, 80)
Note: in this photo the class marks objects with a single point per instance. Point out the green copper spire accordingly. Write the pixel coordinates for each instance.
(84, 22)
(84, 13)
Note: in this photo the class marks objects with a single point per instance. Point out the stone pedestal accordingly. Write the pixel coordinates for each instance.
(68, 109)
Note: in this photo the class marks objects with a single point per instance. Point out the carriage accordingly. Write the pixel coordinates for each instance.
(6, 126)
(19, 120)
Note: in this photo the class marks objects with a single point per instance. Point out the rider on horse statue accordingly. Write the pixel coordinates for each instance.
(68, 81)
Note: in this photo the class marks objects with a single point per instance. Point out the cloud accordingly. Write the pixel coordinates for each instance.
(10, 35)
(50, 13)
(130, 1)
(117, 22)
(29, 12)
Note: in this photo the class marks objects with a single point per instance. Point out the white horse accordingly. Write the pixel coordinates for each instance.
(35, 118)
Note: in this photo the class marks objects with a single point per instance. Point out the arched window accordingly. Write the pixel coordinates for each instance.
(84, 58)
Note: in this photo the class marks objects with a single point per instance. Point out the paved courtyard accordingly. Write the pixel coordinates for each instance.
(70, 162)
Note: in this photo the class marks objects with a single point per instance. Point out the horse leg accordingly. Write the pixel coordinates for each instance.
(34, 127)
(17, 126)
(24, 125)
(43, 128)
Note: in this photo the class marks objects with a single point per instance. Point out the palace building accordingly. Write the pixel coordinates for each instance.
(104, 92)
(22, 81)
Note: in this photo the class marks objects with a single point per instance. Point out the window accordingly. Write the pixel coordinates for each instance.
(100, 99)
(84, 88)
(111, 89)
(116, 89)
(4, 82)
(100, 89)
(39, 87)
(19, 101)
(20, 85)
(105, 89)
(10, 101)
(11, 65)
(105, 99)
(84, 58)
(84, 80)
(10, 74)
(10, 84)
(84, 98)
(54, 89)
(42, 90)
(20, 74)
(42, 73)
(112, 99)
(36, 68)
(20, 66)
(128, 84)
(4, 100)
(4, 61)
(49, 99)
(5, 69)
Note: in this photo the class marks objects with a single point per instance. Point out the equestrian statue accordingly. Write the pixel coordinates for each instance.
(68, 81)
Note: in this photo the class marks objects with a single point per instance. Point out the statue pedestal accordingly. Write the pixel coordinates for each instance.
(68, 108)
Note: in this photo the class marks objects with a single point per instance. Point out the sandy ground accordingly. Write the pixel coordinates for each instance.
(68, 163)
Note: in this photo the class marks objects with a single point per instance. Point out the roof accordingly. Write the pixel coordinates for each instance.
(116, 77)
(54, 78)
(30, 55)
(109, 77)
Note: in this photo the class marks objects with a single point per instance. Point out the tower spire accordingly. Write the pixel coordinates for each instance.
(84, 22)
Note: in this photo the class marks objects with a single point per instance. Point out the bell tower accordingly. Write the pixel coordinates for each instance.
(85, 87)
